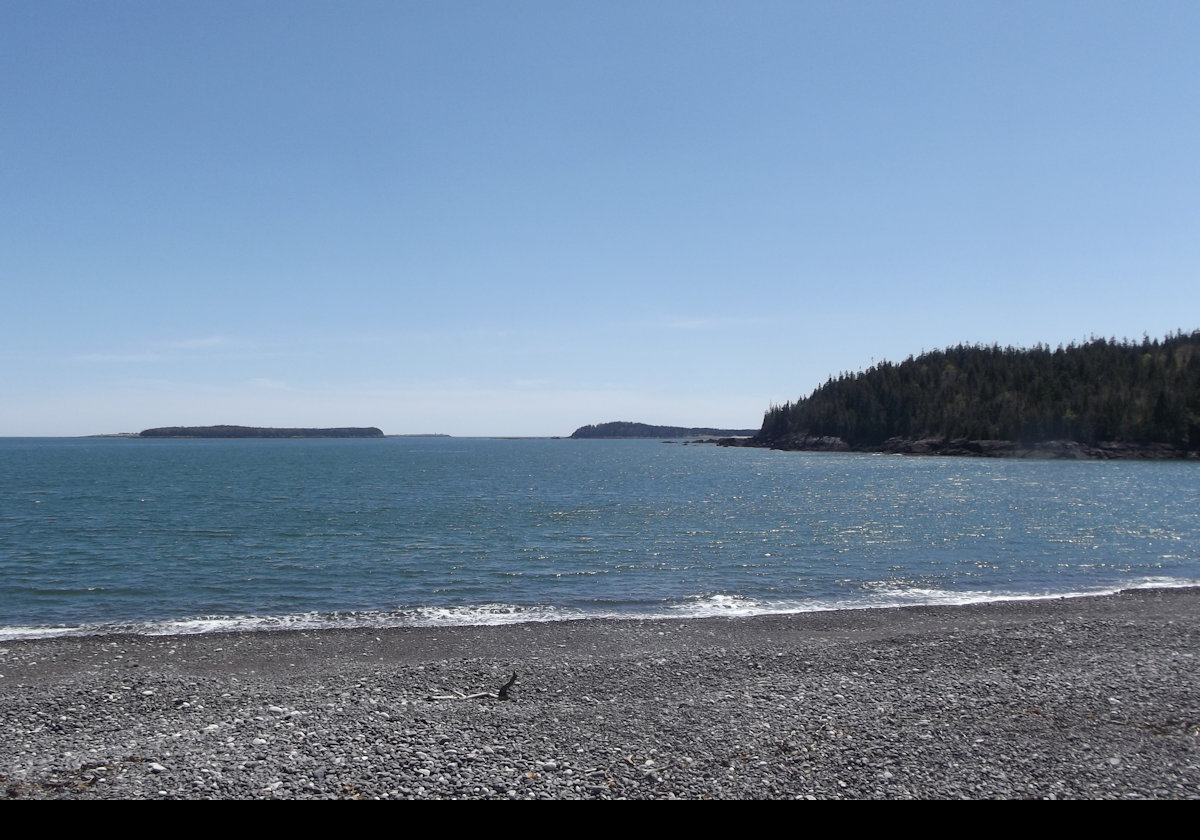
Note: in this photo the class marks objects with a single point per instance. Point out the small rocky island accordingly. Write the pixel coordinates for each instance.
(622, 429)
(258, 432)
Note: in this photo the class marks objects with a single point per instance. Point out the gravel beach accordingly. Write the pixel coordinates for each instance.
(1071, 698)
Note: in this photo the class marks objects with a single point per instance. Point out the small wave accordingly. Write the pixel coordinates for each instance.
(1162, 583)
(883, 595)
(708, 605)
(484, 614)
(704, 605)
(13, 634)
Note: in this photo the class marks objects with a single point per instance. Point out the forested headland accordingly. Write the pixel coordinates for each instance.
(1103, 398)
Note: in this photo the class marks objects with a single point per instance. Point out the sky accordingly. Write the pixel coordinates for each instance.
(517, 218)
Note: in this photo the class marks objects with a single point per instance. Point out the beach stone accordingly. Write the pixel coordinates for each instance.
(989, 701)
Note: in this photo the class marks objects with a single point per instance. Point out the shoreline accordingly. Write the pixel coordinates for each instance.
(378, 621)
(1045, 450)
(1084, 697)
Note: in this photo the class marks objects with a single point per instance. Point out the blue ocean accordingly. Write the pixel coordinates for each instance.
(105, 535)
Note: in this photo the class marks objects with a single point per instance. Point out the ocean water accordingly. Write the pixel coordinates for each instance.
(101, 535)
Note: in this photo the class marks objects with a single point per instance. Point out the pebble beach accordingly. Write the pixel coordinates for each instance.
(1092, 697)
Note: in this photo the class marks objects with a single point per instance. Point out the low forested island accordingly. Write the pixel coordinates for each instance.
(258, 432)
(624, 429)
(1101, 399)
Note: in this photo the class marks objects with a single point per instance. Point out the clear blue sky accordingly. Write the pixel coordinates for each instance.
(512, 218)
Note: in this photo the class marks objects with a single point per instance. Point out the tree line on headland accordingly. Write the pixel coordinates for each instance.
(1103, 394)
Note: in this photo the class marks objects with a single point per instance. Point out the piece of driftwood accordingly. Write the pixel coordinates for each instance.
(501, 693)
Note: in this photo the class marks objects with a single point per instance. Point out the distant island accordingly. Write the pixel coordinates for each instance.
(1101, 399)
(255, 432)
(623, 429)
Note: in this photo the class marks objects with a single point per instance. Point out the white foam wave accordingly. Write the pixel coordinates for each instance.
(485, 614)
(9, 634)
(705, 605)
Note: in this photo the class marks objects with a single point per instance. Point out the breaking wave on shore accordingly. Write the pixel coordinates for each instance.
(495, 614)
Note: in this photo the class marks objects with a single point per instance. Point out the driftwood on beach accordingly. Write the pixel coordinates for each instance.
(500, 694)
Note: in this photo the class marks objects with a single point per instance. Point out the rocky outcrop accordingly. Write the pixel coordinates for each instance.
(1052, 449)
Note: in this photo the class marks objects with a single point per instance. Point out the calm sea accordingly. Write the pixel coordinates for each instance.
(176, 536)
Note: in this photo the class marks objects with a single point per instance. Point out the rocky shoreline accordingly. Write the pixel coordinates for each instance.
(1076, 698)
(1050, 449)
